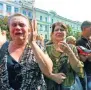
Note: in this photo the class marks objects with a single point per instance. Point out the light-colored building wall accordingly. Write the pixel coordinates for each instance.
(45, 19)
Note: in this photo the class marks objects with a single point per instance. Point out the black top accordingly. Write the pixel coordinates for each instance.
(26, 71)
(14, 69)
(87, 44)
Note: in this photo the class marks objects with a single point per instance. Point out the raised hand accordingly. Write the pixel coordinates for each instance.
(33, 31)
(63, 47)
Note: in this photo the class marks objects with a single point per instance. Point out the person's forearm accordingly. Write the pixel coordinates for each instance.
(43, 60)
(75, 63)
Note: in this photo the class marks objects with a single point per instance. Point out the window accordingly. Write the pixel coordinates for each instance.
(1, 6)
(41, 28)
(52, 20)
(45, 27)
(24, 12)
(46, 19)
(30, 14)
(45, 36)
(8, 8)
(15, 10)
(40, 18)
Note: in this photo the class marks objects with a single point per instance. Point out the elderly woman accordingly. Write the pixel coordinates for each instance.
(64, 60)
(22, 60)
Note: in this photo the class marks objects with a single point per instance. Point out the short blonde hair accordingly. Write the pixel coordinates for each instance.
(70, 38)
(18, 14)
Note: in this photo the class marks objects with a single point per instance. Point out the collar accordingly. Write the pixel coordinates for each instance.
(84, 38)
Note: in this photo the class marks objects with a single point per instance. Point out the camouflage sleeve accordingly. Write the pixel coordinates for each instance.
(47, 47)
(79, 69)
(75, 51)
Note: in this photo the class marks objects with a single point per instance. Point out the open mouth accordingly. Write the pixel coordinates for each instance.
(18, 33)
(58, 34)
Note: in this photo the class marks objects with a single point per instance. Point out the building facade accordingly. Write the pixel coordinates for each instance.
(44, 18)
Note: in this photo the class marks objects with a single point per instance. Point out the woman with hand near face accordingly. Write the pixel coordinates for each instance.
(23, 62)
(65, 60)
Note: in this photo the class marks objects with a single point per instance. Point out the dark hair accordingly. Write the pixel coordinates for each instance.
(60, 24)
(85, 24)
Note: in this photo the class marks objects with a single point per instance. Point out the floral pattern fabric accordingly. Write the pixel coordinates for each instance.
(32, 77)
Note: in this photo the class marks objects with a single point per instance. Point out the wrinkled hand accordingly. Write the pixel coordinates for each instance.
(2, 37)
(59, 77)
(33, 31)
(63, 46)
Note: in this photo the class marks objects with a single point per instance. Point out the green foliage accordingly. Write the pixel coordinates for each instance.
(71, 32)
(77, 35)
(3, 23)
(4, 26)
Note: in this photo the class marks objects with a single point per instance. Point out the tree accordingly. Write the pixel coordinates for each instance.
(77, 35)
(4, 26)
(3, 23)
(69, 30)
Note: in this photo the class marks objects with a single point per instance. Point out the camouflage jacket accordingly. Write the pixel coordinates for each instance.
(61, 64)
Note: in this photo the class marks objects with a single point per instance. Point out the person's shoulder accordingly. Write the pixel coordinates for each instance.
(5, 45)
(80, 41)
(48, 46)
(49, 43)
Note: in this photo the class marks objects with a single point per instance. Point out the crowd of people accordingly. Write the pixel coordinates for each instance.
(27, 63)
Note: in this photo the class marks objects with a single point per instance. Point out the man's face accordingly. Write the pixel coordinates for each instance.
(88, 31)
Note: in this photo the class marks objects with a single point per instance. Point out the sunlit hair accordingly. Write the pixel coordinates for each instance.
(70, 38)
(18, 14)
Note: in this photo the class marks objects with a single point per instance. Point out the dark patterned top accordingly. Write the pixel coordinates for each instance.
(32, 78)
(87, 44)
